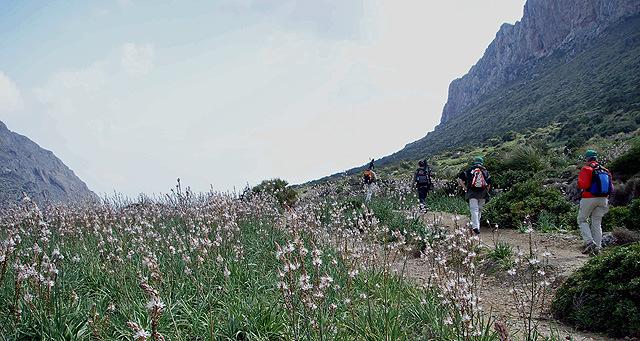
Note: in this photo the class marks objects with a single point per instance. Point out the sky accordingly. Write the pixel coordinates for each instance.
(133, 94)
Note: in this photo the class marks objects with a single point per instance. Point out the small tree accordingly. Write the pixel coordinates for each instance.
(280, 189)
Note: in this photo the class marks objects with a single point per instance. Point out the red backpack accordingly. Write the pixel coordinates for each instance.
(478, 179)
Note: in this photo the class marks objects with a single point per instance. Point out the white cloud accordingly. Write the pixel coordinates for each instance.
(10, 98)
(66, 88)
(224, 101)
(137, 59)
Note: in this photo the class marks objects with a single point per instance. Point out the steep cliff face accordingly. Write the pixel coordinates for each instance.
(576, 67)
(25, 167)
(547, 26)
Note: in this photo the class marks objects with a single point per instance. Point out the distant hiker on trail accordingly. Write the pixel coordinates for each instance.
(476, 182)
(369, 178)
(371, 165)
(596, 184)
(423, 182)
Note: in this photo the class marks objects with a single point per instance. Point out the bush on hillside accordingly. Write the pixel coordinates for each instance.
(519, 165)
(627, 164)
(526, 201)
(509, 136)
(623, 216)
(524, 158)
(604, 295)
(280, 189)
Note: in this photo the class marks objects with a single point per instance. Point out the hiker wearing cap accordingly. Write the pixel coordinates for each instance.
(476, 183)
(596, 185)
(423, 182)
(369, 179)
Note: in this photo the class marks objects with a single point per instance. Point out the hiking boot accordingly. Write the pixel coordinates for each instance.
(596, 251)
(476, 231)
(588, 248)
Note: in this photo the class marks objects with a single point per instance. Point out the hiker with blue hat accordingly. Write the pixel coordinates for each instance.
(596, 185)
(476, 183)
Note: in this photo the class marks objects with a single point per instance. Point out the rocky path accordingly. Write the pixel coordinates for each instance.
(565, 259)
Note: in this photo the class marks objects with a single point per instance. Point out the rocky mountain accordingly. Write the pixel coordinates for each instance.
(547, 27)
(27, 168)
(574, 63)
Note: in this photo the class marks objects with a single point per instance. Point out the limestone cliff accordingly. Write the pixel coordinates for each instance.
(547, 26)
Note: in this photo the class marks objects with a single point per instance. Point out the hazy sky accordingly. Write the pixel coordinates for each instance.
(133, 94)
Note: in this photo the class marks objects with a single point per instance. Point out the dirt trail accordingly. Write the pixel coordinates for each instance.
(565, 259)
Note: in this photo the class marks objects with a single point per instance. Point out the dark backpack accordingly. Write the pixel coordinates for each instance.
(601, 185)
(368, 176)
(423, 178)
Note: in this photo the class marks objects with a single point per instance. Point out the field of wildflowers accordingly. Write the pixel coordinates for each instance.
(235, 267)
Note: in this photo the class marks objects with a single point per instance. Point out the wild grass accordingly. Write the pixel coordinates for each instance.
(214, 266)
(224, 267)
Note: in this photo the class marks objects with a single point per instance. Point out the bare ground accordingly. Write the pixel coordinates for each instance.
(565, 259)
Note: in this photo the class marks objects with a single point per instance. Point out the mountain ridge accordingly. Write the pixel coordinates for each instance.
(585, 79)
(28, 168)
(546, 27)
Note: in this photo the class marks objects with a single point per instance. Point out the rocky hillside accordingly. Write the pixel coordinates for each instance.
(547, 27)
(571, 62)
(26, 167)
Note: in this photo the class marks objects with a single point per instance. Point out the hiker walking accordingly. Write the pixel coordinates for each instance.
(369, 178)
(423, 182)
(476, 183)
(596, 184)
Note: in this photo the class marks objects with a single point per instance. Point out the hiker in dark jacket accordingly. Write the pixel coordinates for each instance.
(476, 183)
(423, 182)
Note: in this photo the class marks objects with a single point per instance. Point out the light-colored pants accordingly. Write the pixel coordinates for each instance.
(475, 205)
(369, 192)
(594, 208)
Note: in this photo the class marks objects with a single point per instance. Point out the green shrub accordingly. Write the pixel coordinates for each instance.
(509, 136)
(627, 164)
(519, 165)
(615, 217)
(279, 189)
(633, 221)
(508, 178)
(524, 158)
(604, 295)
(526, 201)
(502, 254)
(623, 216)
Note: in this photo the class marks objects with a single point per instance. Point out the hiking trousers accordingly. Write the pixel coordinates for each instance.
(368, 192)
(422, 194)
(475, 206)
(595, 209)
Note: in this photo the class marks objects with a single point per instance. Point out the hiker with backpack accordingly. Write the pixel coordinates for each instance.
(476, 183)
(596, 185)
(369, 179)
(423, 182)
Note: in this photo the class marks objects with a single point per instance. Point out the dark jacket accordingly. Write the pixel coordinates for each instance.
(472, 192)
(419, 172)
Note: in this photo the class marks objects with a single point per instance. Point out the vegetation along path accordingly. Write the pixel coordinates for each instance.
(565, 258)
